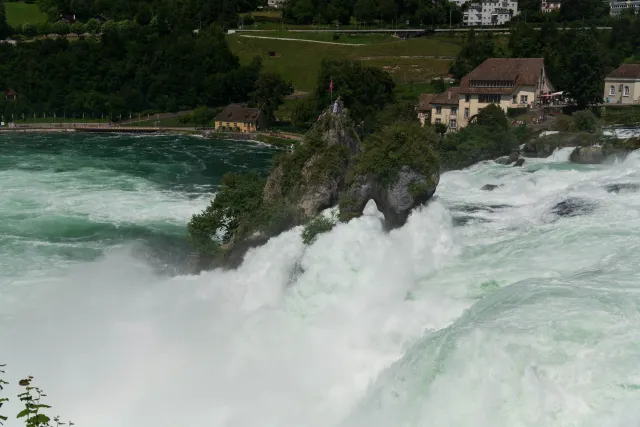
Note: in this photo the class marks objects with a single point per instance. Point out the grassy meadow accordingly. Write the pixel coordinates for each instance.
(23, 13)
(408, 61)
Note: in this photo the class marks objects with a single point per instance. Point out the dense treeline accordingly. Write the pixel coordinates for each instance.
(429, 12)
(124, 71)
(175, 14)
(426, 12)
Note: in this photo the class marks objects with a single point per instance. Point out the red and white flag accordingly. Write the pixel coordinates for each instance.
(331, 86)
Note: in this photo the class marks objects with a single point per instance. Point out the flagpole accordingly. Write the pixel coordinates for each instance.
(331, 90)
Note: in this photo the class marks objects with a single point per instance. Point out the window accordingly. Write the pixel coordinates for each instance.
(612, 90)
(489, 99)
(524, 99)
(466, 113)
(438, 110)
(467, 98)
(514, 99)
(626, 91)
(453, 124)
(438, 121)
(454, 110)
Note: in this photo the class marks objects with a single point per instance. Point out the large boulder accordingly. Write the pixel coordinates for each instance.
(588, 155)
(507, 160)
(596, 155)
(544, 146)
(395, 200)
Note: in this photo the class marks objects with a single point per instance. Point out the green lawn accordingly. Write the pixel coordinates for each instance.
(23, 13)
(407, 61)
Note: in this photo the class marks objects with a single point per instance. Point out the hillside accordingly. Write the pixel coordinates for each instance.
(23, 13)
(415, 60)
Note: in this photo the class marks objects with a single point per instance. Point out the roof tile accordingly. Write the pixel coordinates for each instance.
(238, 113)
(626, 71)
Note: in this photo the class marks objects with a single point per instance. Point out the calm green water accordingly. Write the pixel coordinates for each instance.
(67, 198)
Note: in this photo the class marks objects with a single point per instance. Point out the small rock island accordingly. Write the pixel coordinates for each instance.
(395, 167)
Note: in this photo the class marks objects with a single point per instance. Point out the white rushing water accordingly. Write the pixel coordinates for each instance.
(485, 309)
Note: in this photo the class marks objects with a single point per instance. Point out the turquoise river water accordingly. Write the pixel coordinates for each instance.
(511, 308)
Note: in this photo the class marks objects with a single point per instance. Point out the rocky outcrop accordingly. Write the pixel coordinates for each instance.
(328, 169)
(337, 129)
(544, 146)
(588, 155)
(490, 187)
(395, 200)
(507, 160)
(317, 193)
(596, 155)
(273, 187)
(518, 163)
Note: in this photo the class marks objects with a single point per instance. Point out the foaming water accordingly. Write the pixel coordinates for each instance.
(515, 307)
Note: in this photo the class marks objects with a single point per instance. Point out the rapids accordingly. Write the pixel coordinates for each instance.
(515, 307)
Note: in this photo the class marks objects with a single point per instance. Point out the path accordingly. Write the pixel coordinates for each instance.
(301, 40)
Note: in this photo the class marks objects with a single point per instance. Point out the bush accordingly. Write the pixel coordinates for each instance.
(562, 124)
(585, 121)
(515, 112)
(238, 200)
(397, 145)
(318, 225)
(31, 398)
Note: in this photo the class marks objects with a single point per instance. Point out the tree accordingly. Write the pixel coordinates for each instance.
(575, 10)
(476, 49)
(269, 93)
(93, 26)
(202, 116)
(492, 116)
(78, 27)
(239, 198)
(585, 70)
(365, 10)
(4, 27)
(364, 90)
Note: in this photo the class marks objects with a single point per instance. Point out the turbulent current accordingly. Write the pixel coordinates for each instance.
(512, 307)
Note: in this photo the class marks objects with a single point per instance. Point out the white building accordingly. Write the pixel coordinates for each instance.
(490, 12)
(618, 6)
(275, 4)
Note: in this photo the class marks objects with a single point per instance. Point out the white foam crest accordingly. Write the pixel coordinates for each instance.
(128, 348)
(561, 154)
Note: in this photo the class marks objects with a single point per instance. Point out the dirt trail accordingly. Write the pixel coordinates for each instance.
(301, 40)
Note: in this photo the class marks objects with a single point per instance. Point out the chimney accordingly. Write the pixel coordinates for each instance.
(449, 94)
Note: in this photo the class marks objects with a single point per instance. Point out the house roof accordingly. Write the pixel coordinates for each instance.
(238, 113)
(521, 71)
(448, 97)
(626, 71)
(425, 101)
(11, 92)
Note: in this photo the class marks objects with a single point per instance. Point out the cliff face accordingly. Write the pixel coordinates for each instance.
(395, 200)
(396, 189)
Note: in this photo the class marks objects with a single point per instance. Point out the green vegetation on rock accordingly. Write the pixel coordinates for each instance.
(486, 139)
(238, 200)
(400, 144)
(318, 225)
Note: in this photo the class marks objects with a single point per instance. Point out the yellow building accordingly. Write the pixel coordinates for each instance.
(506, 82)
(236, 118)
(622, 85)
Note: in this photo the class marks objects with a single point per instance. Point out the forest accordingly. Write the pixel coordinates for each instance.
(430, 12)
